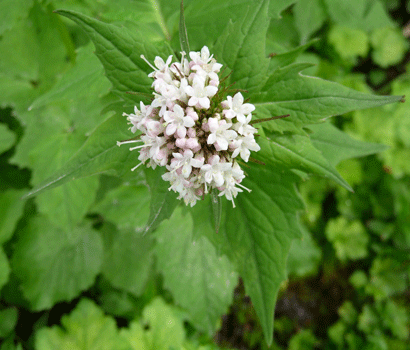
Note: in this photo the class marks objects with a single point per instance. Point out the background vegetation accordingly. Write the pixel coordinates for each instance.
(348, 285)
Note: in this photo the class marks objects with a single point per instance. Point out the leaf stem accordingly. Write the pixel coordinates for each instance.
(256, 121)
(183, 35)
(160, 19)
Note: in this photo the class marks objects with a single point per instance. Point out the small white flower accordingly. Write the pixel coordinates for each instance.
(214, 171)
(208, 70)
(185, 162)
(220, 133)
(177, 121)
(160, 101)
(189, 197)
(233, 179)
(237, 108)
(161, 66)
(200, 93)
(137, 119)
(178, 182)
(244, 145)
(245, 128)
(201, 58)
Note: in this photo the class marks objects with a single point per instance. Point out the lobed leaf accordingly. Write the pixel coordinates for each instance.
(241, 47)
(7, 138)
(86, 327)
(54, 265)
(121, 204)
(204, 31)
(33, 53)
(297, 152)
(11, 210)
(260, 232)
(193, 271)
(163, 201)
(309, 17)
(308, 100)
(99, 154)
(336, 145)
(159, 329)
(277, 6)
(12, 11)
(256, 235)
(119, 50)
(128, 258)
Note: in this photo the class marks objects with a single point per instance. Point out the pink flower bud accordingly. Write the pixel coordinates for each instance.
(180, 142)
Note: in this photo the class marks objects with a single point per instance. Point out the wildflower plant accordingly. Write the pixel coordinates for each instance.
(206, 124)
(190, 128)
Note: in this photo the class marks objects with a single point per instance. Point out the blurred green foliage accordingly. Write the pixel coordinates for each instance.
(359, 241)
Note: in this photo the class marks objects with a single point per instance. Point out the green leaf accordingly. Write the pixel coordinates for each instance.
(285, 58)
(86, 327)
(309, 17)
(8, 320)
(366, 15)
(297, 152)
(388, 277)
(396, 318)
(193, 272)
(336, 145)
(86, 75)
(12, 11)
(368, 319)
(11, 210)
(199, 14)
(119, 50)
(54, 265)
(183, 35)
(304, 256)
(389, 46)
(56, 126)
(241, 47)
(393, 131)
(163, 201)
(117, 302)
(308, 100)
(349, 239)
(349, 42)
(121, 204)
(277, 6)
(348, 313)
(152, 18)
(303, 340)
(8, 344)
(4, 269)
(127, 259)
(164, 331)
(7, 138)
(66, 206)
(136, 337)
(16, 93)
(99, 154)
(282, 35)
(50, 137)
(33, 53)
(257, 235)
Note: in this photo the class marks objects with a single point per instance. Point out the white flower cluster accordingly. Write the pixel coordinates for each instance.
(192, 131)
